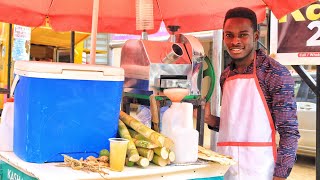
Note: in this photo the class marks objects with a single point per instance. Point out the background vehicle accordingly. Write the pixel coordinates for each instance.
(306, 107)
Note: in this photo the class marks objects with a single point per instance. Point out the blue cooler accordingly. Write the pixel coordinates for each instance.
(63, 108)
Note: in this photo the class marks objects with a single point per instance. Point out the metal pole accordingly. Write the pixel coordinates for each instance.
(216, 96)
(9, 59)
(72, 47)
(318, 126)
(110, 50)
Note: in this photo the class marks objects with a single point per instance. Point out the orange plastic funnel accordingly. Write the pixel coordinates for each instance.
(176, 94)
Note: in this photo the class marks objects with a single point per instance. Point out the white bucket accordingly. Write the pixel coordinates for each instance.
(6, 127)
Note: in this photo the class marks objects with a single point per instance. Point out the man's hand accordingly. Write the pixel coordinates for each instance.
(208, 118)
(278, 178)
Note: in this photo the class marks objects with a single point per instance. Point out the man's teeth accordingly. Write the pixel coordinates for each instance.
(236, 50)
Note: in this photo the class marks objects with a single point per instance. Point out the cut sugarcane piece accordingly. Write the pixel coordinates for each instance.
(129, 163)
(162, 152)
(172, 156)
(144, 144)
(159, 161)
(168, 161)
(147, 153)
(155, 137)
(132, 151)
(143, 162)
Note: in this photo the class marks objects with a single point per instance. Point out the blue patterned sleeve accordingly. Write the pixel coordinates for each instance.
(284, 113)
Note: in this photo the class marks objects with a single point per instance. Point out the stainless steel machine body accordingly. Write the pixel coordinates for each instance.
(151, 66)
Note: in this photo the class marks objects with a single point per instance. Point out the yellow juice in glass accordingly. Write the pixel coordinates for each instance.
(118, 150)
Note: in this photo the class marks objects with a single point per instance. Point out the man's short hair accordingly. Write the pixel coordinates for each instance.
(242, 12)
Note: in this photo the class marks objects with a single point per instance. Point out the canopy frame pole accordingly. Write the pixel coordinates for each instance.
(72, 47)
(94, 27)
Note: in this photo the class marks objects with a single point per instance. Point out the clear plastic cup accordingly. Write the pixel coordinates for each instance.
(118, 150)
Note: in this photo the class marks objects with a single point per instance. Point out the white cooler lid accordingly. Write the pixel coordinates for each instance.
(54, 70)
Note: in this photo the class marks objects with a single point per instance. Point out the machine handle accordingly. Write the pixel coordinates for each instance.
(209, 72)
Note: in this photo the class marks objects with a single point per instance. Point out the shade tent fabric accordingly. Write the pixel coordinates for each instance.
(119, 16)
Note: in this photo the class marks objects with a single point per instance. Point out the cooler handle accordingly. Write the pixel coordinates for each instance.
(14, 84)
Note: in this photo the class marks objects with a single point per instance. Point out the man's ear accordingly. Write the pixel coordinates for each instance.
(256, 35)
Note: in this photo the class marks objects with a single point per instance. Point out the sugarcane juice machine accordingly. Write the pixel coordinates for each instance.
(152, 66)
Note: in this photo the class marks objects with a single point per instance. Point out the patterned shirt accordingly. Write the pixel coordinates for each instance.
(278, 88)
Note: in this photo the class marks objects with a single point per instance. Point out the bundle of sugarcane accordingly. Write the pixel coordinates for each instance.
(150, 134)
(151, 145)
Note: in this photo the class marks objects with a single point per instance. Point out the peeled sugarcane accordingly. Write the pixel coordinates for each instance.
(144, 144)
(155, 137)
(143, 162)
(147, 153)
(159, 161)
(132, 151)
(162, 152)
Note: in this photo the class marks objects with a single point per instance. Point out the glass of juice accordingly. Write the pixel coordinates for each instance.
(118, 150)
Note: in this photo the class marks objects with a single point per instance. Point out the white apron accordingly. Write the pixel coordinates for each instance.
(246, 130)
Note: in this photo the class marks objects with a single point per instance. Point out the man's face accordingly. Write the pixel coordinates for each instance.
(239, 38)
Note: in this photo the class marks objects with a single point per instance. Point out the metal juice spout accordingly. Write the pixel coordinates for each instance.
(175, 52)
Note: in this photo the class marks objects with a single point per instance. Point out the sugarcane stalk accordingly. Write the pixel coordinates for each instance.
(155, 137)
(168, 161)
(162, 152)
(159, 161)
(144, 144)
(132, 151)
(147, 153)
(129, 163)
(143, 162)
(136, 135)
(154, 112)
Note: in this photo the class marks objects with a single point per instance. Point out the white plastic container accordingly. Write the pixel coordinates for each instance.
(177, 124)
(185, 144)
(178, 115)
(6, 127)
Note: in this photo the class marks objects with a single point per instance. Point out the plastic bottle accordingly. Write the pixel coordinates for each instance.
(6, 126)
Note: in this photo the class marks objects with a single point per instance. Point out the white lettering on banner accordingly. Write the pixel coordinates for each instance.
(13, 176)
(309, 54)
(313, 40)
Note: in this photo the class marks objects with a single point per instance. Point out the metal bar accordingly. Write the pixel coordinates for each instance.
(200, 119)
(318, 126)
(217, 61)
(9, 59)
(72, 47)
(126, 105)
(268, 30)
(305, 76)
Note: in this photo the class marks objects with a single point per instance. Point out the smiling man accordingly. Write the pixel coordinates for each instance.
(257, 99)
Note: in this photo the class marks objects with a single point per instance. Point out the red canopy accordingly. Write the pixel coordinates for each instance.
(119, 16)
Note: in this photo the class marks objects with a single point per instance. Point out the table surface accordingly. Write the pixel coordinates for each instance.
(51, 171)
